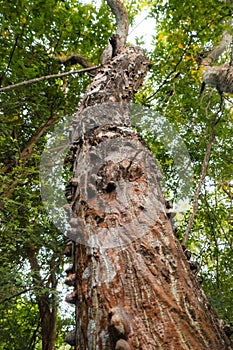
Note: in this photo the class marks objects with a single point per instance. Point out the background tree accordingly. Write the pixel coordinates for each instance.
(33, 36)
(36, 37)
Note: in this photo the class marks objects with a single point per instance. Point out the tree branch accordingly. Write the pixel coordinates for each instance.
(219, 77)
(218, 50)
(25, 154)
(16, 295)
(202, 180)
(122, 21)
(75, 59)
(46, 77)
(13, 51)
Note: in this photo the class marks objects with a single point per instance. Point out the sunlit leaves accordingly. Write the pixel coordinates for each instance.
(19, 325)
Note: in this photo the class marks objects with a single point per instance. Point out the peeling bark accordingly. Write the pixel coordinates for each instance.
(134, 287)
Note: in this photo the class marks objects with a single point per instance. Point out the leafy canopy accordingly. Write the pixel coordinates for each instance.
(33, 35)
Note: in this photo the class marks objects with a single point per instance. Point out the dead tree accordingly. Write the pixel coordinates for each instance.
(133, 286)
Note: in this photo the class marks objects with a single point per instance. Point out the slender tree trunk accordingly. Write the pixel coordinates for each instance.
(133, 285)
(47, 304)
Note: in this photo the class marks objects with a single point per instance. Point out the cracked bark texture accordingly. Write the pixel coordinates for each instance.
(133, 287)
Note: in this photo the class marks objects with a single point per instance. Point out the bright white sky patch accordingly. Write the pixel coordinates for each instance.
(144, 27)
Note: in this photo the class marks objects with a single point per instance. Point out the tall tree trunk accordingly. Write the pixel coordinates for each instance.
(133, 285)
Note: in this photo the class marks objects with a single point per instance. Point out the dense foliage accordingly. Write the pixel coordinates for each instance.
(33, 35)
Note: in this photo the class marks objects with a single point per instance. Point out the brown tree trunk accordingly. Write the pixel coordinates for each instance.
(133, 285)
(47, 304)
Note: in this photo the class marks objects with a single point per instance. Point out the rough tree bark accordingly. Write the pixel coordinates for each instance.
(133, 286)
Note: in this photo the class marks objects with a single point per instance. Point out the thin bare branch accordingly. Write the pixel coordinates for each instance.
(16, 295)
(18, 36)
(202, 179)
(27, 152)
(47, 77)
(169, 77)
